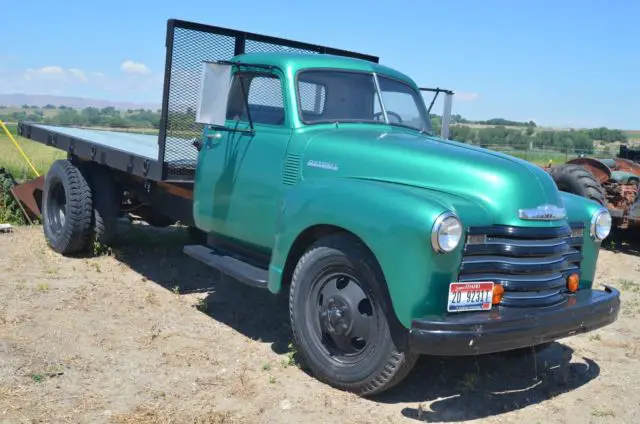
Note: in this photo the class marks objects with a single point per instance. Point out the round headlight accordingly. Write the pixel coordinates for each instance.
(446, 233)
(600, 224)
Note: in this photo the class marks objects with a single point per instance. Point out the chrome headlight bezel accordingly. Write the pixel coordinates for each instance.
(445, 221)
(599, 234)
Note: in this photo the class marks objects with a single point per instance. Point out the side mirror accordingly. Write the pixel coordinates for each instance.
(446, 116)
(446, 113)
(215, 84)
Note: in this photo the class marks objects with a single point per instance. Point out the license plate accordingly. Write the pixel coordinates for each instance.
(475, 296)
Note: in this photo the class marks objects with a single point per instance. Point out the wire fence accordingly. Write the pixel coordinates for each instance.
(555, 156)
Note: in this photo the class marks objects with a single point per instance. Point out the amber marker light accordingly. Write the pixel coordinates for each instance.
(498, 291)
(572, 283)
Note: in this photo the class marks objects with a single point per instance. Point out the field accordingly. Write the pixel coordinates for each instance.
(147, 335)
(10, 158)
(634, 135)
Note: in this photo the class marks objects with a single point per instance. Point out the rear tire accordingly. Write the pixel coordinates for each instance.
(577, 180)
(106, 204)
(338, 322)
(66, 208)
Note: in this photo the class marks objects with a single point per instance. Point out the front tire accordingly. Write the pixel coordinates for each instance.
(338, 322)
(67, 208)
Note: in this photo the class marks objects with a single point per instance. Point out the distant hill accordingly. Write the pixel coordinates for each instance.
(41, 100)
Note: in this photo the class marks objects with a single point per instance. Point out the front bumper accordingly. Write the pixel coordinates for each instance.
(510, 328)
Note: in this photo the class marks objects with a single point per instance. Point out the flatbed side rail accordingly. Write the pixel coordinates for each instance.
(188, 45)
(88, 150)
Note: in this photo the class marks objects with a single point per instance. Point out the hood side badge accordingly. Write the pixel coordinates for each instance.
(322, 165)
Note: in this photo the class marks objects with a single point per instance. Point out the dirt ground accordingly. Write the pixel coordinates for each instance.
(147, 335)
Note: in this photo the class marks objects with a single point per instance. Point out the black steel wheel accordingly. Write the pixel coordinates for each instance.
(345, 322)
(56, 212)
(338, 319)
(67, 208)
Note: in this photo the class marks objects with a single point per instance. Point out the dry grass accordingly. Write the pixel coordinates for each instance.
(40, 155)
(159, 414)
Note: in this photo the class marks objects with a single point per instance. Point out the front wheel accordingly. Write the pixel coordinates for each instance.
(338, 321)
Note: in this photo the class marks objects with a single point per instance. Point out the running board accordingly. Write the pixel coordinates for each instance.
(242, 271)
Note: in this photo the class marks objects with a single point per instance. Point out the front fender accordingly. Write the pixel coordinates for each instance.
(394, 221)
(580, 209)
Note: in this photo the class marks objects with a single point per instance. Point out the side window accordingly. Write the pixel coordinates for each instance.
(312, 97)
(266, 103)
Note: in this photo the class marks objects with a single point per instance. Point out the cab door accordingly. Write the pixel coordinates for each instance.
(239, 180)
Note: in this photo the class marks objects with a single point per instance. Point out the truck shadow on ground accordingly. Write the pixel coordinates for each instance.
(468, 388)
(156, 254)
(442, 389)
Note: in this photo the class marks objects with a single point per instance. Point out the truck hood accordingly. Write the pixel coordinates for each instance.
(497, 183)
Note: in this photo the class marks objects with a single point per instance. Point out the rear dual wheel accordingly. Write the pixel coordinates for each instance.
(67, 207)
(80, 205)
(338, 321)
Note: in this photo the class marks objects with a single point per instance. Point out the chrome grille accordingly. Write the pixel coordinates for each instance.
(532, 264)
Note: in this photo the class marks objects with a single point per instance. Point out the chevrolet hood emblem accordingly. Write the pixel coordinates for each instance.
(542, 213)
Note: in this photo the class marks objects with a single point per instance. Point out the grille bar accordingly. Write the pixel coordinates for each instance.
(513, 265)
(532, 264)
(522, 232)
(520, 248)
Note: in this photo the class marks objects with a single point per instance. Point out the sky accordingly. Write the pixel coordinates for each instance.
(558, 63)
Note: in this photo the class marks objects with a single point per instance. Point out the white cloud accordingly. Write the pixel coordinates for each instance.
(78, 74)
(136, 84)
(46, 72)
(55, 74)
(466, 96)
(131, 67)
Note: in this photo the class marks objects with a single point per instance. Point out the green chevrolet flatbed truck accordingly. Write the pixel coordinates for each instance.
(318, 176)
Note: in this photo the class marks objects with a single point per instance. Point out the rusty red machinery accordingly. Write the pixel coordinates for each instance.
(613, 183)
(27, 194)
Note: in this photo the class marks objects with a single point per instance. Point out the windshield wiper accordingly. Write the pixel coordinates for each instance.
(421, 131)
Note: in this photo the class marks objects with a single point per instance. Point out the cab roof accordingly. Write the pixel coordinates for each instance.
(293, 62)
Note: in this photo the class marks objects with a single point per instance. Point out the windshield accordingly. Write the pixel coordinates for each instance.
(344, 96)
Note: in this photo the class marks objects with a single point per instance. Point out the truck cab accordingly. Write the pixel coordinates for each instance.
(320, 176)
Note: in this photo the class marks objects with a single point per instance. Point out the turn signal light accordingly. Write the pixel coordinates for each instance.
(572, 283)
(498, 291)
